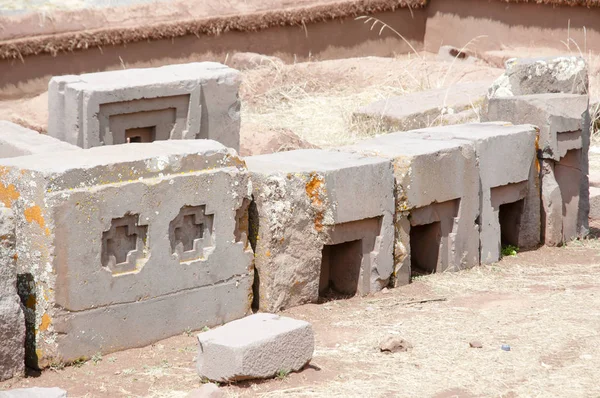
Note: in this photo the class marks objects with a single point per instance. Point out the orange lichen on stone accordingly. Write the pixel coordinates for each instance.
(537, 149)
(46, 320)
(8, 194)
(314, 188)
(34, 213)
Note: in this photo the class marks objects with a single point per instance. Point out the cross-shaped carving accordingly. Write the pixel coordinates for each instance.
(190, 233)
(124, 245)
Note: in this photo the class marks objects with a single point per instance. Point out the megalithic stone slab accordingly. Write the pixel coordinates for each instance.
(324, 222)
(256, 347)
(187, 101)
(508, 174)
(564, 136)
(118, 245)
(437, 184)
(12, 320)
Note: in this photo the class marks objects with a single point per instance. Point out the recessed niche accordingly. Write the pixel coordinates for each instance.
(124, 245)
(340, 269)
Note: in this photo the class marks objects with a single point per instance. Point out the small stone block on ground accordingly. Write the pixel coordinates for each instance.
(256, 347)
(34, 392)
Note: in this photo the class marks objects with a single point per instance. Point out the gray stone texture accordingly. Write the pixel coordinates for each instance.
(187, 101)
(436, 182)
(258, 346)
(595, 203)
(16, 140)
(34, 392)
(506, 157)
(317, 212)
(118, 245)
(425, 108)
(525, 76)
(564, 135)
(12, 320)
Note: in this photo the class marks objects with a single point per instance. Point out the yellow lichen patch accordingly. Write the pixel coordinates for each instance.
(8, 194)
(268, 253)
(46, 320)
(34, 213)
(47, 231)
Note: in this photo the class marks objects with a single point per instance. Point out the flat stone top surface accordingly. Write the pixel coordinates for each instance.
(560, 104)
(307, 160)
(402, 144)
(475, 131)
(18, 135)
(130, 78)
(251, 330)
(457, 96)
(158, 155)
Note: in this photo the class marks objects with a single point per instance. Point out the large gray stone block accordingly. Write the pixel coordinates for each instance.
(128, 238)
(508, 182)
(564, 135)
(525, 76)
(258, 346)
(12, 320)
(324, 222)
(187, 101)
(16, 140)
(437, 202)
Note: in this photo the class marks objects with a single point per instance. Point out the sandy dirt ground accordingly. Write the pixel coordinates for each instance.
(543, 304)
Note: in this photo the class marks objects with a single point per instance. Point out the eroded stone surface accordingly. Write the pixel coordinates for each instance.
(524, 76)
(308, 199)
(12, 320)
(16, 140)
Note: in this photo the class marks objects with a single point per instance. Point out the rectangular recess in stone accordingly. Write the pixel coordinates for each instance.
(425, 241)
(508, 204)
(433, 228)
(340, 269)
(166, 116)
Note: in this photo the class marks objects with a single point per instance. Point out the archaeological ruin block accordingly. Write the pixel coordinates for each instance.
(321, 224)
(525, 76)
(12, 320)
(563, 144)
(121, 246)
(16, 140)
(437, 202)
(508, 182)
(187, 101)
(258, 346)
